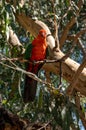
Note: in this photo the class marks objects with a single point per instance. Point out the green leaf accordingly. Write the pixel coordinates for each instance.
(67, 3)
(40, 100)
(7, 32)
(28, 53)
(4, 101)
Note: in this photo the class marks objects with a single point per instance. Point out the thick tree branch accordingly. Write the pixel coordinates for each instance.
(33, 26)
(69, 67)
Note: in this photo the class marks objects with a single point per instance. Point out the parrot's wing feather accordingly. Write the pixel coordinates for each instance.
(27, 54)
(28, 51)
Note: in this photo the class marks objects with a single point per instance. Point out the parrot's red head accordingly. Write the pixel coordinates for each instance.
(42, 33)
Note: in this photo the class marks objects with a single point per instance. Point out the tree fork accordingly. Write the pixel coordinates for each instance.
(69, 66)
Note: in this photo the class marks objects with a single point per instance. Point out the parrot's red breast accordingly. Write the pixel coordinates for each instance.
(39, 46)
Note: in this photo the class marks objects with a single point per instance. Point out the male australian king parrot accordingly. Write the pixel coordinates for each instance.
(38, 52)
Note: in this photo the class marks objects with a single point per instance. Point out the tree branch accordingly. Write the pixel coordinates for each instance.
(69, 25)
(31, 75)
(75, 79)
(82, 116)
(76, 39)
(82, 47)
(13, 39)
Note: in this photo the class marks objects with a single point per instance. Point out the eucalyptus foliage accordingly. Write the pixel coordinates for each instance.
(57, 109)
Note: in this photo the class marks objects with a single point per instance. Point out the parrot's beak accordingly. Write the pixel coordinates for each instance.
(43, 34)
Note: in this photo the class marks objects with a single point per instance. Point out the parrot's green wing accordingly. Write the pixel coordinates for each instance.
(27, 54)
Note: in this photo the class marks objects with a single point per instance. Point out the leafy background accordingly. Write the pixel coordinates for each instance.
(47, 107)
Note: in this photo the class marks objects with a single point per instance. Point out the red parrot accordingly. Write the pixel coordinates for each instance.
(38, 52)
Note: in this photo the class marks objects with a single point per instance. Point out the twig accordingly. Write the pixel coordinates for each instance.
(24, 60)
(8, 59)
(27, 61)
(69, 52)
(76, 39)
(60, 19)
(70, 24)
(76, 36)
(50, 86)
(82, 47)
(55, 26)
(80, 33)
(33, 76)
(45, 125)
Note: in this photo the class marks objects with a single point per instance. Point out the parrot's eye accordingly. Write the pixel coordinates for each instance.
(42, 34)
